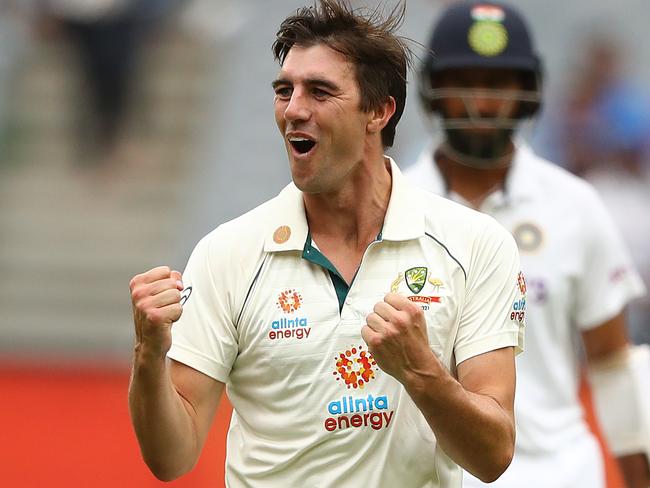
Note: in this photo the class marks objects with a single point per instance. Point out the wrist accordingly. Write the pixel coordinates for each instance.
(149, 356)
(426, 377)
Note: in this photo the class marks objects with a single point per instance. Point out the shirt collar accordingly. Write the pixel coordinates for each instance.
(404, 218)
(288, 229)
(521, 182)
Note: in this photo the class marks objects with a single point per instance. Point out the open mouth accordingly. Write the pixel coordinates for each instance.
(302, 145)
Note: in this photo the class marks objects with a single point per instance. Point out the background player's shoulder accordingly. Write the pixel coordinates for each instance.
(463, 231)
(560, 185)
(443, 214)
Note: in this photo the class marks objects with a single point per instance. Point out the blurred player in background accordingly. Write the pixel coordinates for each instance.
(364, 328)
(482, 80)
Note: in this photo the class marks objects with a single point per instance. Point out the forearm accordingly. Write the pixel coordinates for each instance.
(161, 418)
(635, 469)
(472, 429)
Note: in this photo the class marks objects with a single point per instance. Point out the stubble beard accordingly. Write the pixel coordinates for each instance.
(487, 147)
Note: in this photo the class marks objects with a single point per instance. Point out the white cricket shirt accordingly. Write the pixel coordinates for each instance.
(578, 275)
(268, 316)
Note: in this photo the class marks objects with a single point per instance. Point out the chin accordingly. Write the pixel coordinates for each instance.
(481, 144)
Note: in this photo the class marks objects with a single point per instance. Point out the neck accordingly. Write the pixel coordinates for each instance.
(472, 183)
(354, 214)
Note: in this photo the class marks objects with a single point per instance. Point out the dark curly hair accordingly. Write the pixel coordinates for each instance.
(368, 40)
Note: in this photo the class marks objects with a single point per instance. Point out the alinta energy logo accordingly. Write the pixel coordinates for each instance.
(518, 311)
(355, 368)
(289, 325)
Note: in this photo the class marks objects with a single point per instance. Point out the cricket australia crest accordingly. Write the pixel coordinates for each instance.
(418, 281)
(416, 278)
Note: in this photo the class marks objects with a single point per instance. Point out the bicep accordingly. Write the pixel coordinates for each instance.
(491, 374)
(200, 394)
(605, 339)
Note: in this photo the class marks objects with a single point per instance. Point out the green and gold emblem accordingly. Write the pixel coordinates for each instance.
(416, 278)
(488, 38)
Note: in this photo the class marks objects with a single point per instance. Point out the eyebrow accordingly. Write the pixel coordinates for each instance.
(311, 81)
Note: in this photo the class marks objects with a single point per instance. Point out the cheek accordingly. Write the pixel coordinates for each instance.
(278, 111)
(453, 107)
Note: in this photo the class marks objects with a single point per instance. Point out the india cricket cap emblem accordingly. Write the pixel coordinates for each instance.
(488, 36)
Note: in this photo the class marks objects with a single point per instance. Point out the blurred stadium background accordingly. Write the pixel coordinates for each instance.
(85, 205)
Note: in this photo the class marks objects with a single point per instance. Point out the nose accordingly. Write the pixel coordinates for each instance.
(297, 110)
(483, 105)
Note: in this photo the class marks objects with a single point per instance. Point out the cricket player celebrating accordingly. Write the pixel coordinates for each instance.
(365, 329)
(482, 79)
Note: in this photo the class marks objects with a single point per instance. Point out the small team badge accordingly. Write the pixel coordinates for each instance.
(282, 234)
(528, 236)
(417, 279)
(488, 36)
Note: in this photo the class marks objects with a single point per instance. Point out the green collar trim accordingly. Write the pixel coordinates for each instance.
(313, 255)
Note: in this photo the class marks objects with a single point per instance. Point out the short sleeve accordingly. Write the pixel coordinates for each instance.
(493, 315)
(608, 280)
(205, 337)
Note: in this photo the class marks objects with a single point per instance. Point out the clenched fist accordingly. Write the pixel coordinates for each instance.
(156, 299)
(396, 335)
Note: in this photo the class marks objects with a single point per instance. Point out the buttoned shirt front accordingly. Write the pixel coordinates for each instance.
(311, 406)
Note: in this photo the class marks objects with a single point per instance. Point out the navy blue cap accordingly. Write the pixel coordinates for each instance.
(481, 34)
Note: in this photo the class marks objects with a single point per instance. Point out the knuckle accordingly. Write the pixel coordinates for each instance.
(400, 321)
(394, 332)
(152, 316)
(375, 342)
(136, 294)
(416, 311)
(136, 281)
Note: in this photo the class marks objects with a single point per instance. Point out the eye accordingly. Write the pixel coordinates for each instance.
(320, 94)
(283, 92)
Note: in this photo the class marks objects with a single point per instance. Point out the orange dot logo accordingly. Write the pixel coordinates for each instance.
(521, 283)
(354, 367)
(282, 234)
(289, 301)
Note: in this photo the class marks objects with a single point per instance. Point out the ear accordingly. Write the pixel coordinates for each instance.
(380, 116)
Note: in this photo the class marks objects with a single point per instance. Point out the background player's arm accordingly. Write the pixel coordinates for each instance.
(603, 344)
(171, 405)
(472, 417)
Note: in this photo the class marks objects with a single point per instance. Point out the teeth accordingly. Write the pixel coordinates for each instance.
(298, 139)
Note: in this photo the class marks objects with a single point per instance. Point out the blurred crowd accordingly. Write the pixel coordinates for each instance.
(597, 125)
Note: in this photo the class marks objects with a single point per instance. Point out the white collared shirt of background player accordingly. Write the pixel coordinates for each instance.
(280, 389)
(579, 276)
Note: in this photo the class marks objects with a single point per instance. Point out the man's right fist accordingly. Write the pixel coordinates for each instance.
(156, 297)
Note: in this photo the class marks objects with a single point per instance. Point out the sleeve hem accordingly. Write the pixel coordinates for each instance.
(200, 362)
(613, 308)
(511, 338)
